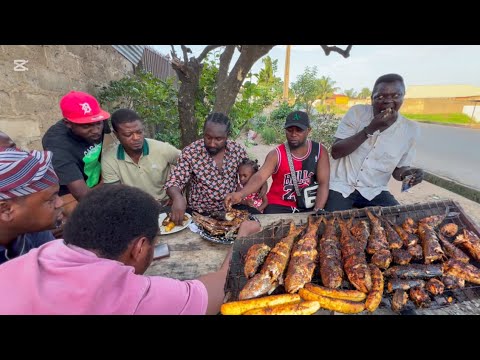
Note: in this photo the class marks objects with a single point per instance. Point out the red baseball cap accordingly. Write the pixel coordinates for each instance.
(82, 108)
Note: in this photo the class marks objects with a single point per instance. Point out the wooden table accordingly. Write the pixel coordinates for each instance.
(192, 256)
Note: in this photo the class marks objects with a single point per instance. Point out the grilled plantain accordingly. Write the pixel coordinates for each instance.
(303, 308)
(342, 306)
(239, 307)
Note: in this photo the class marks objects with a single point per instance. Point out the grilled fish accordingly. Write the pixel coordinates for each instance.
(255, 257)
(399, 300)
(354, 261)
(415, 271)
(394, 240)
(432, 250)
(453, 282)
(435, 287)
(377, 240)
(470, 242)
(419, 297)
(382, 258)
(408, 239)
(271, 274)
(452, 251)
(401, 256)
(303, 258)
(331, 267)
(410, 226)
(404, 284)
(416, 252)
(463, 271)
(449, 229)
(361, 232)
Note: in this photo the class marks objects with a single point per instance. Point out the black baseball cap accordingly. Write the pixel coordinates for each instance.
(299, 119)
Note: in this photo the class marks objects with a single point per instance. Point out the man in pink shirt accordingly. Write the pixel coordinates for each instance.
(97, 268)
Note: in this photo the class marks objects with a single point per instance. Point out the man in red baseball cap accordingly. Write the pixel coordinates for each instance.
(76, 143)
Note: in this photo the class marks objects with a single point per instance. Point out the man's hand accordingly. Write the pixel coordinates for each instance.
(178, 210)
(417, 175)
(232, 199)
(263, 190)
(381, 120)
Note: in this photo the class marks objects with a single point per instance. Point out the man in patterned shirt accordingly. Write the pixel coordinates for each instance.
(210, 166)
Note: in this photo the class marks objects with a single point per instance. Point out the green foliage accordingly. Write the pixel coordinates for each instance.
(307, 88)
(365, 93)
(153, 99)
(351, 93)
(206, 93)
(457, 118)
(324, 127)
(271, 135)
(281, 112)
(326, 87)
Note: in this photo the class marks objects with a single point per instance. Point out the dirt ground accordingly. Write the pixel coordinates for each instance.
(423, 192)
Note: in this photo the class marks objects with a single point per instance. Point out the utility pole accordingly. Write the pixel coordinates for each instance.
(286, 77)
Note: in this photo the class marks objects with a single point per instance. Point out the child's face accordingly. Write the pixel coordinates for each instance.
(245, 172)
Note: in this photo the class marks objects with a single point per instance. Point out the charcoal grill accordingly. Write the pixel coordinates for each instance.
(397, 214)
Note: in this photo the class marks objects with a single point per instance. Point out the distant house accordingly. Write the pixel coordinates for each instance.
(439, 99)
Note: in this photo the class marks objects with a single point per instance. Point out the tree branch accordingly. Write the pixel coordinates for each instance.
(344, 52)
(206, 51)
(225, 60)
(186, 51)
(173, 52)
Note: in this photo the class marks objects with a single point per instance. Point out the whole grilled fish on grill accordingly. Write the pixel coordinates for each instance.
(361, 232)
(331, 267)
(394, 240)
(408, 239)
(432, 250)
(378, 239)
(404, 284)
(470, 242)
(463, 271)
(415, 271)
(255, 257)
(303, 258)
(271, 274)
(354, 261)
(416, 252)
(452, 251)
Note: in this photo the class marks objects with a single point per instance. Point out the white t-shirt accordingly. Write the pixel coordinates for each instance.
(368, 169)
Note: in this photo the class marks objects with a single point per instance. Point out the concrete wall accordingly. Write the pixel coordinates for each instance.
(436, 105)
(29, 99)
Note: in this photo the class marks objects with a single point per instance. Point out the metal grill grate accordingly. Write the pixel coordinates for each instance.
(397, 214)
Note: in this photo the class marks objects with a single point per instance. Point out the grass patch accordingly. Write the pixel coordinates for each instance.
(441, 118)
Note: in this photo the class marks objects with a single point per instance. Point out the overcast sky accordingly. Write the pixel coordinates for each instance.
(418, 64)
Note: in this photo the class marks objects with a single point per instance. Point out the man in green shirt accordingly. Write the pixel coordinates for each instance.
(138, 161)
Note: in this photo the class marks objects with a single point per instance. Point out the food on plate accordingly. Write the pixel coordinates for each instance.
(169, 224)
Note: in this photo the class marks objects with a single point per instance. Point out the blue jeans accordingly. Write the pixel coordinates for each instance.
(337, 202)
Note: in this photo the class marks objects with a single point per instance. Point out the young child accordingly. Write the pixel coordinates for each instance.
(245, 171)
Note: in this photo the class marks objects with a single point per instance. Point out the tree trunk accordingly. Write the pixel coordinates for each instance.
(189, 75)
(228, 89)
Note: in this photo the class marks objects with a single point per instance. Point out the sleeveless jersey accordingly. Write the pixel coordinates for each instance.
(282, 191)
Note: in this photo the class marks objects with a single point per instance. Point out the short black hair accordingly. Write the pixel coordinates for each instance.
(219, 118)
(250, 162)
(122, 116)
(389, 78)
(110, 217)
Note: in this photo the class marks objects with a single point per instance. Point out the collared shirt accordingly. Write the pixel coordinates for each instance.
(23, 244)
(208, 184)
(61, 279)
(368, 169)
(149, 174)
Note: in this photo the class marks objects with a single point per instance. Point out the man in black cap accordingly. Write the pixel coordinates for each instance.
(310, 162)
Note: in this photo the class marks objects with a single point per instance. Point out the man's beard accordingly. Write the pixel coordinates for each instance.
(292, 146)
(213, 151)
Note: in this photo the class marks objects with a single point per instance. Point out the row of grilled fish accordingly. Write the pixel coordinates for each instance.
(347, 254)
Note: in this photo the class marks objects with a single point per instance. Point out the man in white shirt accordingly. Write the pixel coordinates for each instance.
(373, 142)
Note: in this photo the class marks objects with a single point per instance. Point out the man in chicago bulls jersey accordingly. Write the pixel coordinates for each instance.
(311, 164)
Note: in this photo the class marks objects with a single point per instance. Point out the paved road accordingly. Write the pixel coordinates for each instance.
(451, 152)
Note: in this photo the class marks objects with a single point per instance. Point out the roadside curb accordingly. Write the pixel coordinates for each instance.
(453, 186)
(469, 126)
